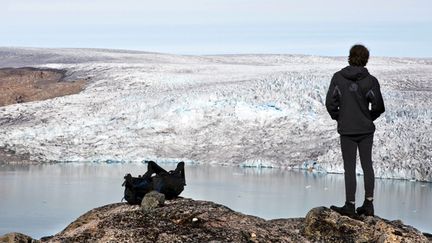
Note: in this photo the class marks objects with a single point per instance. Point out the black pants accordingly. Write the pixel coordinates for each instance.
(349, 145)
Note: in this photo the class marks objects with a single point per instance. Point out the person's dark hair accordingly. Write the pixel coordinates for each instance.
(359, 55)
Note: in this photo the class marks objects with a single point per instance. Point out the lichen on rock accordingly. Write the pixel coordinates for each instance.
(180, 220)
(152, 200)
(325, 225)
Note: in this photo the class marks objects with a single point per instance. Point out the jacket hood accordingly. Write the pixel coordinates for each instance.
(354, 73)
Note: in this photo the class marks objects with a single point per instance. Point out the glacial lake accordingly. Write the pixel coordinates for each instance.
(41, 200)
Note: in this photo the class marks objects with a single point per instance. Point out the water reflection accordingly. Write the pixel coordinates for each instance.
(41, 200)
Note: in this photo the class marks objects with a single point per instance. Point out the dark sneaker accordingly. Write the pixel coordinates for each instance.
(348, 210)
(366, 209)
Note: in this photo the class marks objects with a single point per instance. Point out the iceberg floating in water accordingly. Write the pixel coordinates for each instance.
(312, 166)
(258, 163)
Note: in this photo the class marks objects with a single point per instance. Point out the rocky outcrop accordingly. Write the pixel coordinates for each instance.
(17, 238)
(18, 85)
(152, 200)
(181, 220)
(325, 225)
(187, 220)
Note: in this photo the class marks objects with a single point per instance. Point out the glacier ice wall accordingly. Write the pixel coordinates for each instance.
(249, 110)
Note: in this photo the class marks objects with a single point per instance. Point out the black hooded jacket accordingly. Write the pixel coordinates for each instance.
(350, 92)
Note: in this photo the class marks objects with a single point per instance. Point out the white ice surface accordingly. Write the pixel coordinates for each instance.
(249, 110)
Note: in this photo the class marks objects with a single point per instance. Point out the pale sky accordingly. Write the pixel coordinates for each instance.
(317, 27)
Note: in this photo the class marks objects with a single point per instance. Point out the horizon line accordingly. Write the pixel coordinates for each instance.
(207, 54)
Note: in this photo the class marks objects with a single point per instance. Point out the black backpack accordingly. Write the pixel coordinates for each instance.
(136, 188)
(171, 184)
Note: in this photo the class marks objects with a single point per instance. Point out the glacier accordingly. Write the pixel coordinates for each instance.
(245, 110)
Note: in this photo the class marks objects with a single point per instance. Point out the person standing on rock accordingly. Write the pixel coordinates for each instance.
(354, 100)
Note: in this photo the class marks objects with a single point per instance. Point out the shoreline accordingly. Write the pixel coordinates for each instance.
(9, 157)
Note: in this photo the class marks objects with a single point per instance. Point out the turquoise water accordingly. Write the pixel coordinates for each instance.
(41, 200)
